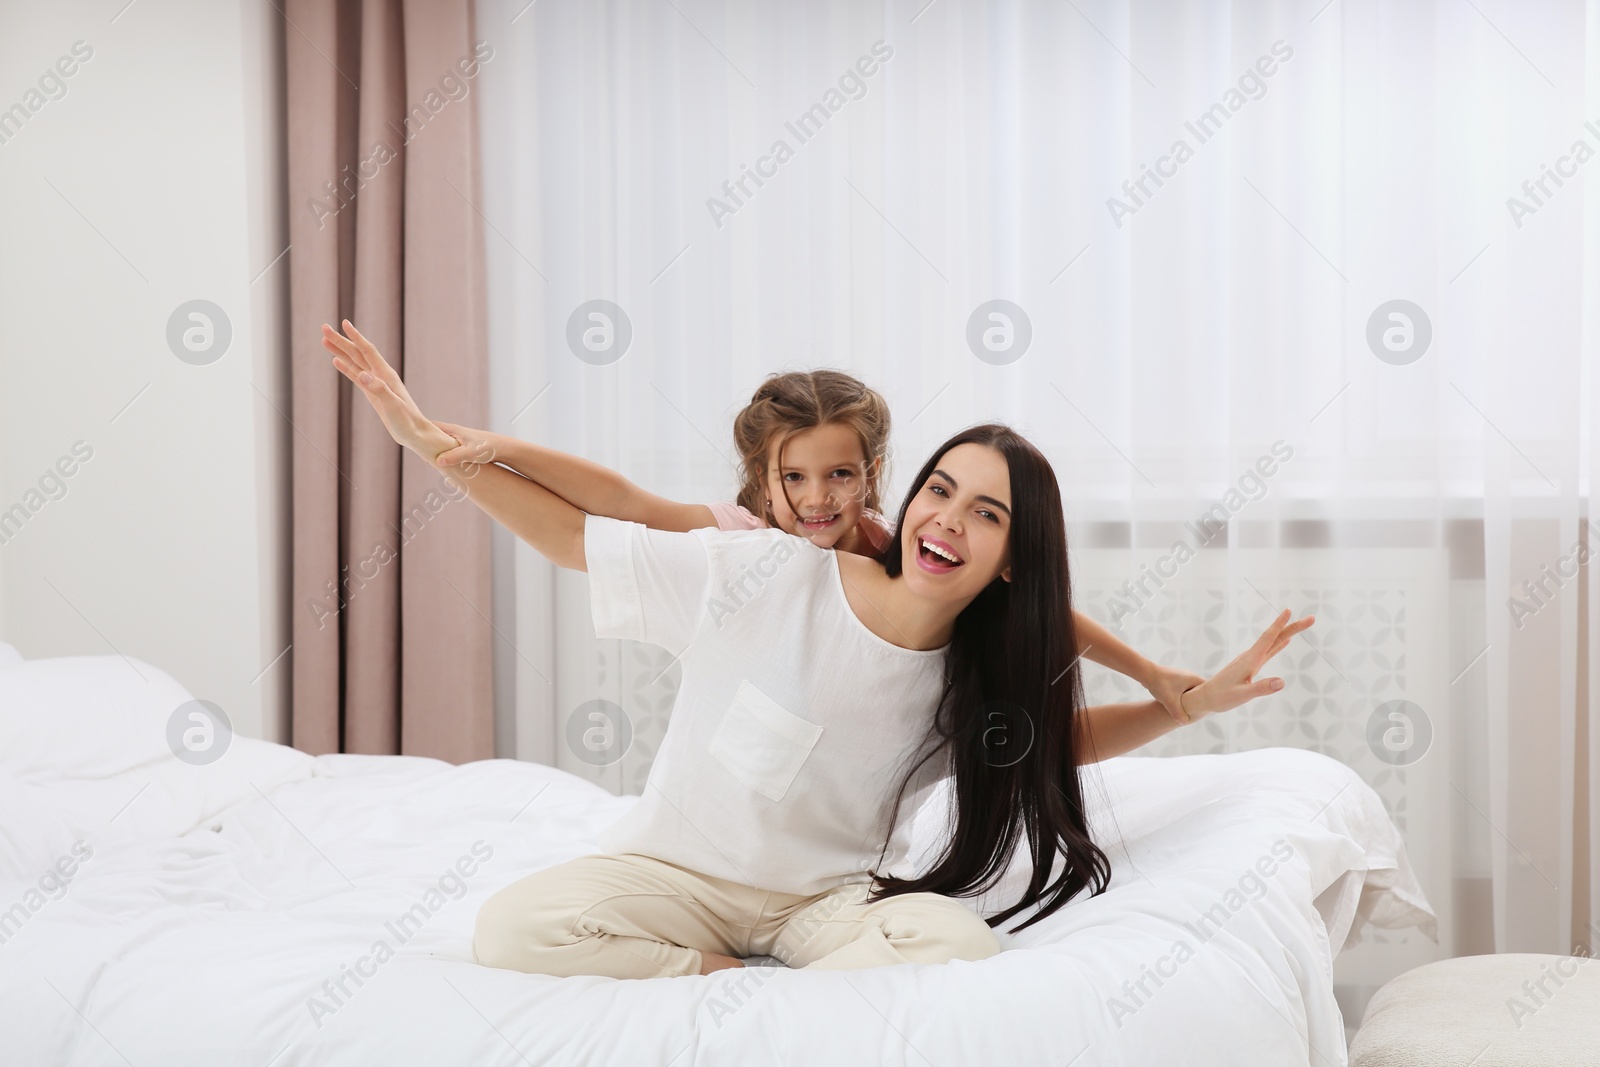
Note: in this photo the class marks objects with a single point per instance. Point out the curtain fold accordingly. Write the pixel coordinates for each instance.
(392, 640)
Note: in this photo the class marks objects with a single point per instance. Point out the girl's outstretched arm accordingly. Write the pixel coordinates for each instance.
(1166, 684)
(592, 488)
(532, 512)
(1107, 730)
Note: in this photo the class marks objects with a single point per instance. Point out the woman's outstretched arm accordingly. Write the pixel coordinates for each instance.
(1166, 684)
(527, 509)
(1108, 730)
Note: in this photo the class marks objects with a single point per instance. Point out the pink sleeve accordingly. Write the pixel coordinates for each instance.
(880, 530)
(730, 516)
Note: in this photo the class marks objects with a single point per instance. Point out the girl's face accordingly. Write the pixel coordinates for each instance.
(957, 535)
(817, 484)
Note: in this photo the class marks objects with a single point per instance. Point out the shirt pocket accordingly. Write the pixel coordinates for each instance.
(761, 743)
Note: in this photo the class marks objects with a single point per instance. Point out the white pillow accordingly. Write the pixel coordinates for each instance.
(1130, 797)
(92, 734)
(9, 656)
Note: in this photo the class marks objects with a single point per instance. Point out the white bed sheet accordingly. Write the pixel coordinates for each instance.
(213, 946)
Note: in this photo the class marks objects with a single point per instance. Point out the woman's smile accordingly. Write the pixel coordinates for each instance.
(936, 556)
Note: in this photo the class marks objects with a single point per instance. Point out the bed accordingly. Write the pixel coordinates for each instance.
(274, 908)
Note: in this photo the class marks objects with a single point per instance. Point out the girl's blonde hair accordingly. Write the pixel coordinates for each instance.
(786, 404)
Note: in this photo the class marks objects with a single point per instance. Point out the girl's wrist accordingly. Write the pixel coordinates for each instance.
(498, 446)
(430, 446)
(1147, 672)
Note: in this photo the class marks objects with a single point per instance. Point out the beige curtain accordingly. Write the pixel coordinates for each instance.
(392, 639)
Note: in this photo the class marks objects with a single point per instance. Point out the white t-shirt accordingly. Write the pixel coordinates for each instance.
(794, 723)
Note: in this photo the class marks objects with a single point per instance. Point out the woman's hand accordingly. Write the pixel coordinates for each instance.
(1167, 684)
(1236, 683)
(472, 446)
(359, 360)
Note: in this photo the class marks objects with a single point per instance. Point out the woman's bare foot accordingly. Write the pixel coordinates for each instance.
(710, 961)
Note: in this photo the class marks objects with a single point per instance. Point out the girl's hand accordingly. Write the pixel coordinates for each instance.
(1236, 684)
(1167, 685)
(359, 360)
(472, 447)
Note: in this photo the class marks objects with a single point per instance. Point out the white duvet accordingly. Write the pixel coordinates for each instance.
(275, 908)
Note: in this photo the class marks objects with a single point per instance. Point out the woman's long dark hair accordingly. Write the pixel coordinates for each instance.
(1012, 683)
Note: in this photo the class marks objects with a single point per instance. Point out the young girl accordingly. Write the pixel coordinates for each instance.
(813, 449)
(781, 756)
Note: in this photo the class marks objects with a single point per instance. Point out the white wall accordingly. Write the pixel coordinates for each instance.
(155, 179)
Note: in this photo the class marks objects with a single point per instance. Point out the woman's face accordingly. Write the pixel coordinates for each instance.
(816, 484)
(957, 534)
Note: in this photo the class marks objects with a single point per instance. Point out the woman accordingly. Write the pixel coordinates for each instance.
(820, 690)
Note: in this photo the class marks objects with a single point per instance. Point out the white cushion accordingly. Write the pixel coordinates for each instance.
(1506, 1010)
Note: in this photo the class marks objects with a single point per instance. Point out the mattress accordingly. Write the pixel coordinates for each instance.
(276, 908)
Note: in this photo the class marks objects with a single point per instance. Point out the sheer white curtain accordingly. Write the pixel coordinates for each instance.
(1223, 342)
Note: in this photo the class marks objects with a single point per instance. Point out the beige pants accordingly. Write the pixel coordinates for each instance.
(632, 916)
